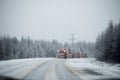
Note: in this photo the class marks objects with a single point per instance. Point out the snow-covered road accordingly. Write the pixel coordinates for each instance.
(55, 69)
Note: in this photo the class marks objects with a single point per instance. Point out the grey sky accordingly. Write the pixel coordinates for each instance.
(56, 19)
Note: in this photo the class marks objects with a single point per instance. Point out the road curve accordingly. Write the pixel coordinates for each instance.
(52, 70)
(55, 69)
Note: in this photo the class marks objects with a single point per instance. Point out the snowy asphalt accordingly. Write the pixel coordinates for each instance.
(54, 69)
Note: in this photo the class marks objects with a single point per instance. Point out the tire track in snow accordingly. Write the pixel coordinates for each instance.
(51, 72)
(23, 69)
(39, 72)
(64, 73)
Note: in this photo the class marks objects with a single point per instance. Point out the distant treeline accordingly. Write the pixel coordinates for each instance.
(12, 48)
(108, 44)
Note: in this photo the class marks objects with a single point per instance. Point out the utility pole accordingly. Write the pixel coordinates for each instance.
(72, 38)
(72, 42)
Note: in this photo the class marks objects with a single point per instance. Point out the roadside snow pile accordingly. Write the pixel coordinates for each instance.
(93, 61)
(80, 63)
(105, 64)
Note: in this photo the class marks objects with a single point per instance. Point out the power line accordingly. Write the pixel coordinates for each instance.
(72, 38)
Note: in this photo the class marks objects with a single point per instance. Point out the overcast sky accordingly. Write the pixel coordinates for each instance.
(56, 19)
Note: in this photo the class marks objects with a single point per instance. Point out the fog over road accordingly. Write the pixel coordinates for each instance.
(54, 69)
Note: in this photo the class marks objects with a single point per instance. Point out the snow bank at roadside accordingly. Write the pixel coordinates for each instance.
(80, 63)
(91, 69)
(105, 64)
(93, 61)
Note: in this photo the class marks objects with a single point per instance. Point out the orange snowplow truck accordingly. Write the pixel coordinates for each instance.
(63, 51)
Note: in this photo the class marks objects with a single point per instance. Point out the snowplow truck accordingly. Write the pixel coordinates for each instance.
(62, 53)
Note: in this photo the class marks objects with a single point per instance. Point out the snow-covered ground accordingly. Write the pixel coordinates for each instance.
(90, 69)
(105, 64)
(19, 68)
(54, 69)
